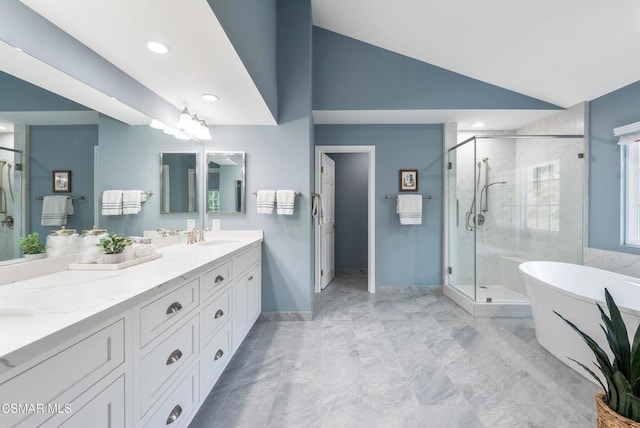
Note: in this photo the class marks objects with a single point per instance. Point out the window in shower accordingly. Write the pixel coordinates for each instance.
(542, 197)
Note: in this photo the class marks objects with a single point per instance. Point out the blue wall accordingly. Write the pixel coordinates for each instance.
(129, 159)
(18, 95)
(68, 147)
(277, 157)
(617, 108)
(405, 255)
(251, 28)
(350, 74)
(351, 210)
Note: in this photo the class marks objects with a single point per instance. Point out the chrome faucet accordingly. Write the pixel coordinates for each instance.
(196, 235)
(164, 232)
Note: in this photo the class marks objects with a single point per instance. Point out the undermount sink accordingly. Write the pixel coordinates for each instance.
(16, 315)
(214, 242)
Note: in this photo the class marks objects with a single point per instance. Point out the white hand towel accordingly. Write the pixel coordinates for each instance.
(286, 200)
(266, 201)
(409, 209)
(317, 209)
(55, 210)
(131, 201)
(112, 202)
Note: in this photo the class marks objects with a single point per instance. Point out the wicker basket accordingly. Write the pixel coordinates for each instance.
(607, 418)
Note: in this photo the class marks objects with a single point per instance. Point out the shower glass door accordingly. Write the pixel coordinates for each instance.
(463, 196)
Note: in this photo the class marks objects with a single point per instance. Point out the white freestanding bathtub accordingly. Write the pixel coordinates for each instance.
(572, 291)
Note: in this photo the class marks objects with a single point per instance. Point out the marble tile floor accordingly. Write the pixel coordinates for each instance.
(403, 357)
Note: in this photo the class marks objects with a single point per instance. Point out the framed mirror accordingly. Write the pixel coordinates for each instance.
(225, 182)
(178, 182)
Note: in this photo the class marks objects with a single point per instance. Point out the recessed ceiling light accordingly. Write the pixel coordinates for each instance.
(210, 97)
(157, 47)
(478, 125)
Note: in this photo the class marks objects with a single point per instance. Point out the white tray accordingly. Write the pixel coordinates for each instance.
(116, 266)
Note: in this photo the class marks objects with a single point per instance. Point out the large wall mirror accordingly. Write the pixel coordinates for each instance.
(178, 182)
(225, 182)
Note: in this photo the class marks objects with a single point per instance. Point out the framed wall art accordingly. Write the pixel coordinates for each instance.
(61, 181)
(408, 180)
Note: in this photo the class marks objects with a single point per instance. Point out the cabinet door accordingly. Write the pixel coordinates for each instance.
(239, 312)
(254, 296)
(106, 410)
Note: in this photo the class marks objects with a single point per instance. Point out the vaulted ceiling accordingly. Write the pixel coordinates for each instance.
(562, 52)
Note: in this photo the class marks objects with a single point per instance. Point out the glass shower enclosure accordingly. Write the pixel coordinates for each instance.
(512, 199)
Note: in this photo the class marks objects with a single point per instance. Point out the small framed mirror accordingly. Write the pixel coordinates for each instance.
(225, 182)
(178, 182)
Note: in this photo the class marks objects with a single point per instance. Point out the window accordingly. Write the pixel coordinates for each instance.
(542, 197)
(631, 193)
(630, 160)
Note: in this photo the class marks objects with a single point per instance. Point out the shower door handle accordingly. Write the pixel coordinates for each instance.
(457, 213)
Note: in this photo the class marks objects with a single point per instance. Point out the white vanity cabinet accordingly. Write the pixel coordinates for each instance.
(151, 364)
(71, 383)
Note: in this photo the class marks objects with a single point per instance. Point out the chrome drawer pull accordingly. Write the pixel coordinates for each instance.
(251, 278)
(175, 356)
(219, 313)
(175, 414)
(219, 278)
(219, 355)
(173, 308)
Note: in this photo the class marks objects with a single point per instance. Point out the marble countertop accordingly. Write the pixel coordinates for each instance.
(40, 313)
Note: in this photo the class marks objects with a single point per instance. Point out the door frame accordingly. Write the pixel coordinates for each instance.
(371, 223)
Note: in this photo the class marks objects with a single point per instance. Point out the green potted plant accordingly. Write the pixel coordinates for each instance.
(32, 247)
(113, 246)
(619, 404)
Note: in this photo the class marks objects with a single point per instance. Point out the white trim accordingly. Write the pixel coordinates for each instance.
(371, 244)
(627, 129)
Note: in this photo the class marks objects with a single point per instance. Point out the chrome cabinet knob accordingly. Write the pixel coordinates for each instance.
(219, 279)
(219, 355)
(219, 313)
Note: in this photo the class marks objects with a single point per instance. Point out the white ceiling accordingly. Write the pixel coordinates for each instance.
(560, 51)
(201, 59)
(563, 52)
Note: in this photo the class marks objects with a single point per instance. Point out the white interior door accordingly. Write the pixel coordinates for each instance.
(327, 230)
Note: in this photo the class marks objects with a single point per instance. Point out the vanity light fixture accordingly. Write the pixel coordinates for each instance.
(191, 125)
(210, 97)
(169, 131)
(478, 125)
(203, 133)
(2, 127)
(182, 136)
(157, 47)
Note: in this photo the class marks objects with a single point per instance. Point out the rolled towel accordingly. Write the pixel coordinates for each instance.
(266, 201)
(409, 209)
(286, 201)
(112, 202)
(55, 210)
(131, 201)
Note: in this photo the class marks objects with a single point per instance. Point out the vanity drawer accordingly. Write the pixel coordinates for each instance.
(216, 279)
(176, 410)
(162, 313)
(215, 315)
(246, 260)
(88, 360)
(158, 367)
(214, 358)
(105, 410)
